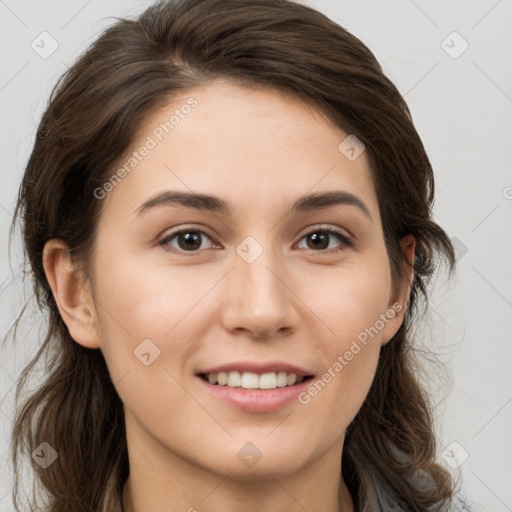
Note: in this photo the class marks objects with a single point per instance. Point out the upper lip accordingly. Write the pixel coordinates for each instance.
(259, 368)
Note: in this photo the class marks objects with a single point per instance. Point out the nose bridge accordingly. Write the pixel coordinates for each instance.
(255, 267)
(258, 300)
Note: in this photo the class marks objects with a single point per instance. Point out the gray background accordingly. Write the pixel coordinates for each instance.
(461, 103)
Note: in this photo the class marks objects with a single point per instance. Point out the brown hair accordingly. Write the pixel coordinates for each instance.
(94, 112)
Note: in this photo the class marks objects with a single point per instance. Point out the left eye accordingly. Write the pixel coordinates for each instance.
(191, 240)
(319, 240)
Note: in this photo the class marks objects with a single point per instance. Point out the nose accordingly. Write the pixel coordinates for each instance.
(259, 298)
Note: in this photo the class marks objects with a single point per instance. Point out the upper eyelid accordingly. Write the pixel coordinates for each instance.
(177, 231)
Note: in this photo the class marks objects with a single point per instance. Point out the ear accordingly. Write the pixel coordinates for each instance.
(72, 293)
(398, 305)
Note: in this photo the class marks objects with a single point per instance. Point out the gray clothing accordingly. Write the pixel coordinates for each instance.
(383, 498)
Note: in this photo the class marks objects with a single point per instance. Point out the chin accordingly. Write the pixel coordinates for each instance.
(261, 470)
(257, 460)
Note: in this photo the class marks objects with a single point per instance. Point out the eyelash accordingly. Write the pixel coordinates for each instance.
(346, 242)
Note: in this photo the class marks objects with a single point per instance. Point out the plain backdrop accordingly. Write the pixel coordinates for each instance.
(452, 61)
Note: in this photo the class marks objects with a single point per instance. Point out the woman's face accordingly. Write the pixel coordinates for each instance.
(255, 283)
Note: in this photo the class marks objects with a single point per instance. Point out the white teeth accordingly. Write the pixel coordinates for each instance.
(221, 378)
(282, 379)
(292, 379)
(234, 379)
(268, 381)
(250, 380)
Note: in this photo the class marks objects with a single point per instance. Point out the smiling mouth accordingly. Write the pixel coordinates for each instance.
(251, 380)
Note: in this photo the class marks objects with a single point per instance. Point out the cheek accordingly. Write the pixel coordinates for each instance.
(146, 313)
(145, 299)
(353, 305)
(146, 338)
(350, 300)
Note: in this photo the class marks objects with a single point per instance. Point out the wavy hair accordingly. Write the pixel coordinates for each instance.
(136, 67)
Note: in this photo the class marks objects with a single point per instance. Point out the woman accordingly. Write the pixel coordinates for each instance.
(227, 211)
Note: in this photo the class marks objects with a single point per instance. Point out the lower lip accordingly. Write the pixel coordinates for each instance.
(256, 400)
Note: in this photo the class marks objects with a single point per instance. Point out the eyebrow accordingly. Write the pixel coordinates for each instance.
(214, 204)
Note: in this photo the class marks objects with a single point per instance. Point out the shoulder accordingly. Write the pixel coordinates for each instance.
(387, 502)
(384, 499)
(461, 504)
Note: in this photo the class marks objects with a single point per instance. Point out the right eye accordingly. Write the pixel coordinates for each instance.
(185, 240)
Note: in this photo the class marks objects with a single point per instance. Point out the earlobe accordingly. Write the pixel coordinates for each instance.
(72, 294)
(400, 303)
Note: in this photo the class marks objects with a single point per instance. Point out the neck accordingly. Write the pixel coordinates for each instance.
(164, 482)
(137, 500)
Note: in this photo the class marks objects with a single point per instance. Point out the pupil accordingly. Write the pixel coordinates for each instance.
(319, 237)
(189, 238)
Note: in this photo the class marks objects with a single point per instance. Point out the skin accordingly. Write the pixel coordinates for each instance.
(260, 151)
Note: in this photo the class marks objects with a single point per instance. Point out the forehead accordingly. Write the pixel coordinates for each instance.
(249, 145)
